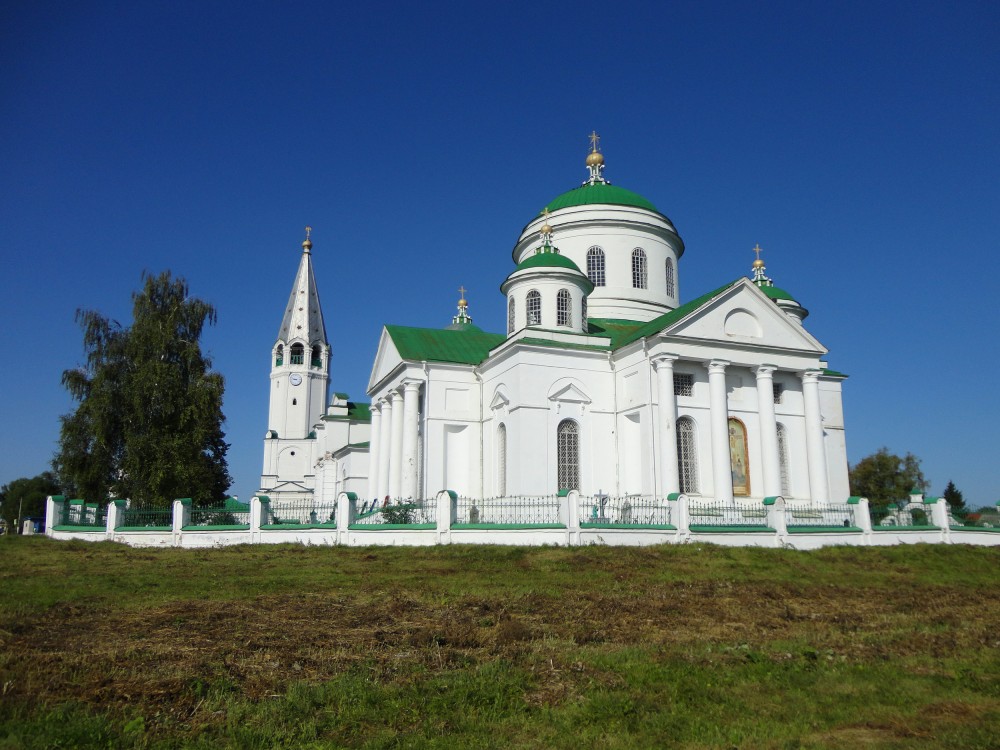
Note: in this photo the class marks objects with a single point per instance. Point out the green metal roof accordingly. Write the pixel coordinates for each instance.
(541, 260)
(359, 412)
(462, 327)
(775, 293)
(657, 324)
(600, 192)
(469, 346)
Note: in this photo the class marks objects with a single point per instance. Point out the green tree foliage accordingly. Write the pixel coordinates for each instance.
(149, 421)
(886, 478)
(29, 495)
(953, 496)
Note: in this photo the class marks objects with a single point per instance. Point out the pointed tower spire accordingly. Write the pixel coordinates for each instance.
(303, 317)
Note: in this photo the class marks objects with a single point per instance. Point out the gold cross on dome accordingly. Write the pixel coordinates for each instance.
(545, 213)
(757, 249)
(308, 232)
(461, 290)
(595, 141)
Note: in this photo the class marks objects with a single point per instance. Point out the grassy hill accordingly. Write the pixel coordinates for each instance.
(687, 646)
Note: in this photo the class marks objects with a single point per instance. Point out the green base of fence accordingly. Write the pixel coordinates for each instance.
(505, 526)
(731, 529)
(799, 529)
(906, 528)
(145, 528)
(392, 526)
(987, 529)
(296, 526)
(637, 526)
(220, 527)
(91, 529)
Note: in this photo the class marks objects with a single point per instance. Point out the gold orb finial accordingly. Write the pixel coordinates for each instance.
(307, 243)
(462, 302)
(595, 157)
(758, 263)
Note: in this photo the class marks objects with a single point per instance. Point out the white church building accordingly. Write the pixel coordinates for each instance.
(603, 382)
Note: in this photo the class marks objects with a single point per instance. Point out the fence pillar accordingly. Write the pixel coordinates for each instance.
(54, 508)
(113, 521)
(347, 511)
(776, 518)
(937, 508)
(682, 520)
(260, 512)
(572, 516)
(181, 518)
(447, 511)
(862, 516)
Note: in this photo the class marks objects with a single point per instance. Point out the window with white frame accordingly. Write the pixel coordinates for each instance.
(595, 266)
(670, 277)
(687, 455)
(639, 276)
(783, 460)
(564, 313)
(683, 384)
(502, 461)
(533, 307)
(510, 315)
(568, 455)
(778, 390)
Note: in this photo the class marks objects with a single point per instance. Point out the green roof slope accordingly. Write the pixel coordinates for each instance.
(600, 192)
(658, 324)
(467, 346)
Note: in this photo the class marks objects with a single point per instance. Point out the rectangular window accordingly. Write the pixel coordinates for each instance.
(778, 389)
(683, 384)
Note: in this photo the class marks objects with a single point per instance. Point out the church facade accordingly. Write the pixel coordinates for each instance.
(604, 381)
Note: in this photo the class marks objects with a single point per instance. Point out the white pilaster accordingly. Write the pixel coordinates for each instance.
(668, 423)
(722, 470)
(396, 446)
(814, 438)
(768, 431)
(411, 398)
(384, 450)
(374, 452)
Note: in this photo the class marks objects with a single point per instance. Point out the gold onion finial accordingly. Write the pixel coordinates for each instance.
(595, 156)
(307, 243)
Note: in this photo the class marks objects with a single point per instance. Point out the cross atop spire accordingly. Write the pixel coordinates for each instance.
(758, 268)
(595, 160)
(595, 142)
(463, 318)
(307, 243)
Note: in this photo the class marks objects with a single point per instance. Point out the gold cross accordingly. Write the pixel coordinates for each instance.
(545, 213)
(595, 140)
(461, 290)
(308, 232)
(757, 249)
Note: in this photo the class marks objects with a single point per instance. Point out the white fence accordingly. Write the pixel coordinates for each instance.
(565, 519)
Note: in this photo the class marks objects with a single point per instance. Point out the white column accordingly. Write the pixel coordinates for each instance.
(768, 431)
(815, 450)
(396, 447)
(411, 399)
(374, 452)
(722, 469)
(668, 423)
(383, 450)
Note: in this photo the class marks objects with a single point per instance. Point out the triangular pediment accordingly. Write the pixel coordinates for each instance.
(500, 400)
(569, 393)
(744, 315)
(387, 359)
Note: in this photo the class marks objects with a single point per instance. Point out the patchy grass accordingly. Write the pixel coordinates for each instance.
(691, 647)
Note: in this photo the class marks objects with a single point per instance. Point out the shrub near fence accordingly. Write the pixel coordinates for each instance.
(518, 511)
(630, 511)
(887, 517)
(403, 515)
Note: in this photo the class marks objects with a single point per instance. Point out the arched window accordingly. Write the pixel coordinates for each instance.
(739, 457)
(687, 455)
(502, 461)
(510, 315)
(583, 315)
(298, 354)
(568, 455)
(279, 355)
(533, 307)
(564, 311)
(639, 280)
(783, 460)
(317, 357)
(670, 278)
(595, 266)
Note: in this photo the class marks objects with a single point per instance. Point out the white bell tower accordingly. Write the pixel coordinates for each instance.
(300, 378)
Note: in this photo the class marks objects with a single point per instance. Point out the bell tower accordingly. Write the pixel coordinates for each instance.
(300, 378)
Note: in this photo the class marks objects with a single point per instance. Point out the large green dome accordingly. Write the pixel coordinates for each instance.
(600, 192)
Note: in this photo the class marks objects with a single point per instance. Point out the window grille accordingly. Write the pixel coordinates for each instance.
(595, 266)
(510, 315)
(783, 460)
(502, 461)
(564, 314)
(683, 384)
(670, 277)
(534, 308)
(778, 390)
(568, 455)
(583, 315)
(639, 268)
(687, 455)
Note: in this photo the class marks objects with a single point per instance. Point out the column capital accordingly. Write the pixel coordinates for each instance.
(411, 385)
(665, 361)
(764, 371)
(717, 365)
(811, 376)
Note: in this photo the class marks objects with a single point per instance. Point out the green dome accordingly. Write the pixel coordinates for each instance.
(600, 192)
(775, 293)
(463, 327)
(540, 260)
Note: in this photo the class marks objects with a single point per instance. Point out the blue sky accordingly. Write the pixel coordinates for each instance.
(856, 142)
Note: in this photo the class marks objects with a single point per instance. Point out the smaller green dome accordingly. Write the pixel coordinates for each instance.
(463, 327)
(775, 293)
(541, 260)
(600, 192)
